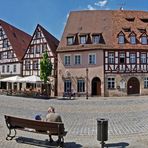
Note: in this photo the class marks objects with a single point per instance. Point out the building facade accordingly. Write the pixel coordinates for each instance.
(41, 41)
(104, 53)
(13, 44)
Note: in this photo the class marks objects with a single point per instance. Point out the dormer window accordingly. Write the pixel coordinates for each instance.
(95, 39)
(144, 39)
(70, 40)
(83, 39)
(121, 38)
(132, 38)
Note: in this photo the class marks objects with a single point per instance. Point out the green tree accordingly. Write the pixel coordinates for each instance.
(45, 70)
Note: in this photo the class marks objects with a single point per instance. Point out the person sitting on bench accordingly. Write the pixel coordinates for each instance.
(53, 117)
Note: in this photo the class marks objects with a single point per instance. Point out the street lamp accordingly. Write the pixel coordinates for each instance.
(86, 83)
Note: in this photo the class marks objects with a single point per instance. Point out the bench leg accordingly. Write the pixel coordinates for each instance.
(9, 136)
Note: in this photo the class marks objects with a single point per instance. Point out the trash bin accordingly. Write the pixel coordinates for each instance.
(102, 129)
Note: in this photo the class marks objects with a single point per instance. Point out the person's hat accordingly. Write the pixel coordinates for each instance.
(38, 117)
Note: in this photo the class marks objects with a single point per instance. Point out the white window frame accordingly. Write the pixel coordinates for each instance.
(70, 40)
(83, 39)
(111, 83)
(67, 60)
(121, 39)
(146, 82)
(122, 56)
(143, 58)
(111, 57)
(14, 68)
(96, 39)
(132, 58)
(35, 64)
(77, 59)
(133, 39)
(92, 58)
(3, 69)
(27, 65)
(144, 40)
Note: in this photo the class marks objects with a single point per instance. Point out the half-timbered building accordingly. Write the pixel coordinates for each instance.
(104, 53)
(41, 41)
(13, 44)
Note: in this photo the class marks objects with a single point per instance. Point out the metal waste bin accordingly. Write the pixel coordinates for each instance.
(102, 129)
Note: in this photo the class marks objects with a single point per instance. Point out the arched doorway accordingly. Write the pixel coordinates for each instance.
(96, 87)
(133, 86)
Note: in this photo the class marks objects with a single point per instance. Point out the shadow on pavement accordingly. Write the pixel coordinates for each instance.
(117, 145)
(45, 143)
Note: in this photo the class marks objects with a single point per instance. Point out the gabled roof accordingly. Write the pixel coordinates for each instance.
(51, 40)
(19, 40)
(107, 22)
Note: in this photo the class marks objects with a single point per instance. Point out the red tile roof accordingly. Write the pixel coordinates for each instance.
(18, 39)
(107, 22)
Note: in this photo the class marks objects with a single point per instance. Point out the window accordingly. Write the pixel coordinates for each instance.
(111, 57)
(1, 32)
(5, 43)
(3, 68)
(38, 34)
(10, 55)
(111, 83)
(35, 65)
(77, 59)
(132, 58)
(146, 82)
(83, 39)
(14, 68)
(144, 40)
(122, 58)
(80, 86)
(67, 60)
(133, 39)
(44, 48)
(67, 86)
(70, 40)
(121, 38)
(8, 68)
(96, 39)
(92, 58)
(143, 58)
(31, 49)
(38, 48)
(27, 65)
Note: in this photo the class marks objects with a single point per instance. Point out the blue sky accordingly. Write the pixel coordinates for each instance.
(52, 14)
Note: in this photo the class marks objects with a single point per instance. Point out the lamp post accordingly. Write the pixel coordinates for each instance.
(86, 83)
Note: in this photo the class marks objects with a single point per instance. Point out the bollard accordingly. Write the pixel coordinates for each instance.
(102, 130)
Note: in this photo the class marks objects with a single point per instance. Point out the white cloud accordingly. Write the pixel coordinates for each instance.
(101, 3)
(90, 7)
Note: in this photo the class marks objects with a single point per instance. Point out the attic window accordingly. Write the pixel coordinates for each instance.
(130, 19)
(145, 20)
(83, 39)
(121, 38)
(142, 30)
(126, 29)
(70, 40)
(96, 38)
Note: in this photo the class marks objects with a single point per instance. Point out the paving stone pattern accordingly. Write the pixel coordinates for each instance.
(128, 120)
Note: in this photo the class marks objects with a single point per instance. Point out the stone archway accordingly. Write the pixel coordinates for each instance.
(96, 87)
(133, 86)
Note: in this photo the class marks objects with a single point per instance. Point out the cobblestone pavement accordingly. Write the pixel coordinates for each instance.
(128, 121)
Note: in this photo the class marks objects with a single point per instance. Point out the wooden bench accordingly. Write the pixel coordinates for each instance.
(36, 126)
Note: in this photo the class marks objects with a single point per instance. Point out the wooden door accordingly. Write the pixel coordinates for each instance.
(133, 86)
